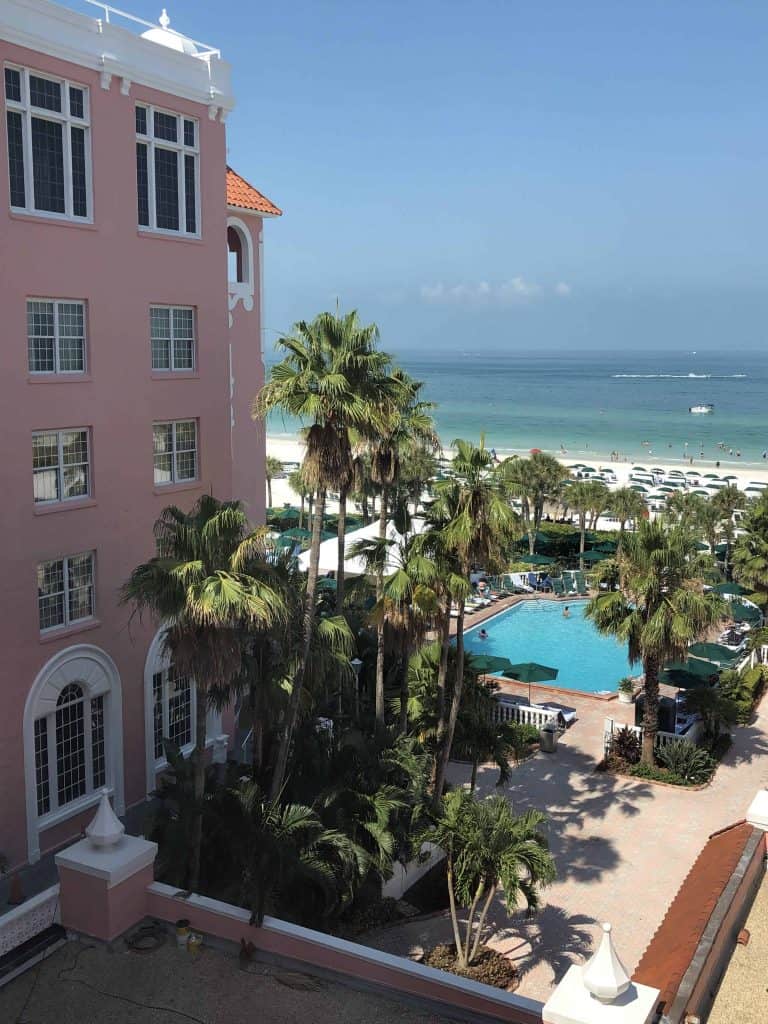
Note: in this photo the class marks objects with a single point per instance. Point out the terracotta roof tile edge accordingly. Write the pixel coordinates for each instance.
(259, 202)
(720, 831)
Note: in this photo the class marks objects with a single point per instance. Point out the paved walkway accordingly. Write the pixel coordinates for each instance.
(622, 848)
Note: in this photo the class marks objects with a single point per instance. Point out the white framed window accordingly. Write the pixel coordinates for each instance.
(167, 171)
(172, 337)
(65, 591)
(175, 451)
(173, 710)
(55, 336)
(49, 145)
(61, 465)
(73, 732)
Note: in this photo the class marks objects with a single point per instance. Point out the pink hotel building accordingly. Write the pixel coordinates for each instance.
(130, 286)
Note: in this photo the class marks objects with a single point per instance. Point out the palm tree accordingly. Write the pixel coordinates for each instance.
(487, 846)
(535, 481)
(318, 380)
(627, 506)
(273, 468)
(726, 501)
(659, 609)
(685, 508)
(402, 421)
(750, 556)
(583, 497)
(206, 586)
(479, 526)
(298, 485)
(708, 518)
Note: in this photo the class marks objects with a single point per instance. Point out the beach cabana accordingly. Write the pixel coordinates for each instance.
(638, 487)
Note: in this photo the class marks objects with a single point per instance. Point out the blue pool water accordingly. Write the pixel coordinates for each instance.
(537, 631)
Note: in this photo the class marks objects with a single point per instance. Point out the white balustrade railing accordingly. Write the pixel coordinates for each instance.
(692, 735)
(29, 919)
(509, 711)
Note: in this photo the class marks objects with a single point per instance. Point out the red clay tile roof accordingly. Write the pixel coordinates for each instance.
(243, 195)
(671, 949)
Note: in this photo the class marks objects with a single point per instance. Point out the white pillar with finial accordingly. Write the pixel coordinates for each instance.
(600, 992)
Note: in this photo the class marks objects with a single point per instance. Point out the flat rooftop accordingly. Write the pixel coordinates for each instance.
(85, 984)
(743, 994)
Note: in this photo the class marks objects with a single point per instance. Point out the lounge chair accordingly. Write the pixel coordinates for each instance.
(558, 588)
(533, 582)
(581, 587)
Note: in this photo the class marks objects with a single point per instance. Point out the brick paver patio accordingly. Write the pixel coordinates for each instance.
(622, 847)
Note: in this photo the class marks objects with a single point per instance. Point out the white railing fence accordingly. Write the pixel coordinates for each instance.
(691, 735)
(510, 711)
(31, 917)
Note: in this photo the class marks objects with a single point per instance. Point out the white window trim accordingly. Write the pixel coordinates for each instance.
(242, 291)
(97, 674)
(159, 660)
(173, 369)
(70, 623)
(46, 502)
(27, 112)
(181, 150)
(175, 481)
(56, 371)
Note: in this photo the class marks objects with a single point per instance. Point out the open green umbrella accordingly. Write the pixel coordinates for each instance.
(295, 534)
(535, 559)
(326, 583)
(530, 672)
(702, 546)
(484, 664)
(713, 652)
(594, 556)
(607, 546)
(681, 679)
(735, 589)
(745, 612)
(538, 538)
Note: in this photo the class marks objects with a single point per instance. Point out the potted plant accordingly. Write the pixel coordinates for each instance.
(626, 690)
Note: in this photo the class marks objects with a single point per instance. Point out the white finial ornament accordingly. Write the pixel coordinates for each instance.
(164, 20)
(605, 976)
(106, 829)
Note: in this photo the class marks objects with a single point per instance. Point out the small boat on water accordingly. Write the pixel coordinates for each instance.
(701, 410)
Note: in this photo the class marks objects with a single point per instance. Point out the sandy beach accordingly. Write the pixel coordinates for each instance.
(288, 449)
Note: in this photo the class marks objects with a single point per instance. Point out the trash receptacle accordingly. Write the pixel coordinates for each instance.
(548, 737)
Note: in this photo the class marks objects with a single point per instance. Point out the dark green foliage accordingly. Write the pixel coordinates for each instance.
(626, 745)
(692, 764)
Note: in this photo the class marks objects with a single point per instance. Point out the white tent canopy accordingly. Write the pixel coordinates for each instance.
(329, 549)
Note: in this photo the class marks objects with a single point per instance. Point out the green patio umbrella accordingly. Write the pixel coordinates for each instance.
(745, 613)
(607, 546)
(530, 672)
(538, 538)
(296, 533)
(594, 556)
(735, 589)
(485, 664)
(326, 583)
(713, 652)
(536, 559)
(702, 546)
(681, 679)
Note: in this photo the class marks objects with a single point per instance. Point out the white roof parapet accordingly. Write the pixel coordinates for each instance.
(184, 67)
(757, 815)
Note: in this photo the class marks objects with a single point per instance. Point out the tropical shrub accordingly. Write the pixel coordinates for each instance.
(655, 774)
(626, 745)
(692, 764)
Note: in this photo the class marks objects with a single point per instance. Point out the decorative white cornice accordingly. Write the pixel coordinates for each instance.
(112, 50)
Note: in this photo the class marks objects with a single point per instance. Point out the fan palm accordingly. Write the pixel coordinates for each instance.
(486, 847)
(318, 379)
(659, 609)
(479, 526)
(583, 497)
(750, 556)
(272, 468)
(535, 481)
(627, 506)
(207, 586)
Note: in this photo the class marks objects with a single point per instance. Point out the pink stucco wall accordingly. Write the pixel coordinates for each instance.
(119, 271)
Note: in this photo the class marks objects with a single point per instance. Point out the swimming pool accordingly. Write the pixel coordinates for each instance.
(538, 631)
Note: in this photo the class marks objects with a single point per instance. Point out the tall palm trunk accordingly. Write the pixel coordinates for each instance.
(199, 787)
(269, 492)
(380, 718)
(294, 703)
(582, 536)
(301, 512)
(341, 538)
(444, 753)
(403, 725)
(364, 509)
(651, 709)
(442, 679)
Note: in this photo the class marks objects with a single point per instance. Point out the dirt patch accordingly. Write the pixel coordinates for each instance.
(489, 966)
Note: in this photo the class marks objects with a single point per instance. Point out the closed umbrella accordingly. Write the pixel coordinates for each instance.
(530, 672)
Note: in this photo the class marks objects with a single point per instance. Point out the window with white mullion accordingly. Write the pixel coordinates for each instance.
(172, 338)
(167, 168)
(60, 465)
(48, 135)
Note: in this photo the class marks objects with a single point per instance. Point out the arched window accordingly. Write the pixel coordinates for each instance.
(236, 256)
(72, 738)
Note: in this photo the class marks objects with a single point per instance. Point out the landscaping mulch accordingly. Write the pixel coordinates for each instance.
(489, 966)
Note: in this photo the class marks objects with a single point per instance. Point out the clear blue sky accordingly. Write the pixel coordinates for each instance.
(516, 173)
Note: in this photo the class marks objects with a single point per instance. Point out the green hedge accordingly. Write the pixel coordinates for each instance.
(752, 682)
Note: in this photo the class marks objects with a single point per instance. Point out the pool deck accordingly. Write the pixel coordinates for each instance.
(622, 848)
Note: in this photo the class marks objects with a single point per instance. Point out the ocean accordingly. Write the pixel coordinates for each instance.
(594, 404)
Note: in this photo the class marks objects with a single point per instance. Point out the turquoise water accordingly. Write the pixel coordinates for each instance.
(538, 631)
(596, 403)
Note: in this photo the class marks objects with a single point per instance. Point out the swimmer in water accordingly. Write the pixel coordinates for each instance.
(566, 612)
(483, 634)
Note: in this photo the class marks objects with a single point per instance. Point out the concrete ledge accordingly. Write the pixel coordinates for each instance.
(757, 814)
(112, 864)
